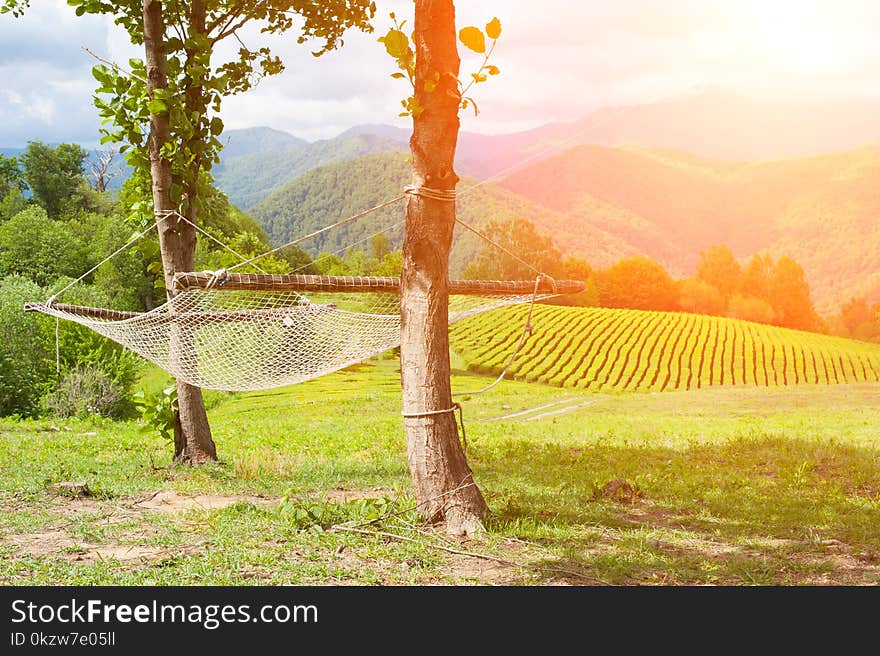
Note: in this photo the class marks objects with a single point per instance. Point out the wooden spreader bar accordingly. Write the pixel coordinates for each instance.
(363, 284)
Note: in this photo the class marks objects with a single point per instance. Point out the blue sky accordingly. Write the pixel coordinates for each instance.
(559, 60)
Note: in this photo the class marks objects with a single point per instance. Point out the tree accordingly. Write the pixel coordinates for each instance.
(53, 174)
(164, 112)
(443, 480)
(699, 297)
(521, 237)
(11, 178)
(26, 349)
(750, 308)
(756, 277)
(791, 296)
(859, 320)
(40, 248)
(719, 268)
(381, 246)
(11, 204)
(101, 170)
(639, 283)
(534, 251)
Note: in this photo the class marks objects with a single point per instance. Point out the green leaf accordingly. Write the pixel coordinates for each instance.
(396, 43)
(473, 38)
(493, 28)
(157, 106)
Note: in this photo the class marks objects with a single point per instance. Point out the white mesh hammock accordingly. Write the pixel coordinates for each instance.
(259, 331)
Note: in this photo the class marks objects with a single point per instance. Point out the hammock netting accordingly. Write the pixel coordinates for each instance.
(253, 332)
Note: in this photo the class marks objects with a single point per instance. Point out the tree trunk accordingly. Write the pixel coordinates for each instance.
(177, 242)
(443, 481)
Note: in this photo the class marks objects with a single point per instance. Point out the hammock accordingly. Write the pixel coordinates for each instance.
(243, 332)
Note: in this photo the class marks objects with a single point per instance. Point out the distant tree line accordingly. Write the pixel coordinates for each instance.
(764, 290)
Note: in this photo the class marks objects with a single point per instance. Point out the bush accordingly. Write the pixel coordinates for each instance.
(86, 390)
(27, 351)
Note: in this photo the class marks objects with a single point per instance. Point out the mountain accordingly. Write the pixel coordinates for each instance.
(250, 178)
(723, 125)
(605, 203)
(258, 140)
(821, 211)
(712, 124)
(327, 194)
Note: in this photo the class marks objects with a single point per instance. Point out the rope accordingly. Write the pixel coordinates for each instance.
(446, 195)
(208, 235)
(338, 224)
(502, 248)
(456, 407)
(58, 348)
(527, 331)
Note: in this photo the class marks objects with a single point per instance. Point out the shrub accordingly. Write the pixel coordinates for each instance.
(27, 367)
(86, 390)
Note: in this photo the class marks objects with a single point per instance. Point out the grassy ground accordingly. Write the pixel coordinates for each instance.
(730, 486)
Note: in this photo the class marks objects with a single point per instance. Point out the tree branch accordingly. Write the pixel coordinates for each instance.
(114, 65)
(227, 30)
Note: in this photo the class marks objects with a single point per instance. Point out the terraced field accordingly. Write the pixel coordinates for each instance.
(601, 348)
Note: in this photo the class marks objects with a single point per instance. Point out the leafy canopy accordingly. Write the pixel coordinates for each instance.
(53, 174)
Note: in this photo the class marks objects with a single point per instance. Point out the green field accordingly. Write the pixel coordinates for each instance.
(731, 486)
(608, 349)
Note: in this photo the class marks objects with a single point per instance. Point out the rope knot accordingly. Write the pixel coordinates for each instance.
(218, 278)
(447, 195)
(549, 279)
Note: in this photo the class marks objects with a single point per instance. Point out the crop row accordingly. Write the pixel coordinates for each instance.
(599, 348)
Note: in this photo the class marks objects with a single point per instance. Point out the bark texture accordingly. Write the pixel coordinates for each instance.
(443, 480)
(177, 242)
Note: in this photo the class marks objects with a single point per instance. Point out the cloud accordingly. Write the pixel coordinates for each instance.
(559, 60)
(46, 91)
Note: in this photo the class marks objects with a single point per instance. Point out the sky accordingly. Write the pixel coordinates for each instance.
(559, 60)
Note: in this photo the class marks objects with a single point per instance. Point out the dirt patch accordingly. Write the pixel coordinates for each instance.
(170, 501)
(487, 572)
(123, 553)
(620, 491)
(42, 543)
(59, 543)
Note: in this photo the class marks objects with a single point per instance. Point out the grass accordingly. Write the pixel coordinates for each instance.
(731, 486)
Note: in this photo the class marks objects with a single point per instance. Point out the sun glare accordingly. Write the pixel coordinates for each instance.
(795, 35)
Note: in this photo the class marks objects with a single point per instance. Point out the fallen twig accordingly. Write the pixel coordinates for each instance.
(471, 554)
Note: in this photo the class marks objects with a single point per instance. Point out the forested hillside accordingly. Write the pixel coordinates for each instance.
(330, 193)
(249, 178)
(820, 211)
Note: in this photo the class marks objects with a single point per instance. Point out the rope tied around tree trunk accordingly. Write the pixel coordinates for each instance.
(433, 413)
(445, 195)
